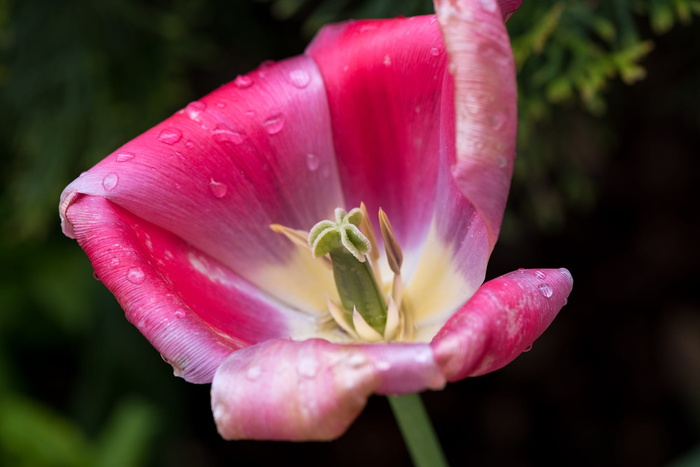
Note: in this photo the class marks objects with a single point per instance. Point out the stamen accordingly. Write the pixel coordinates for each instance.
(363, 329)
(368, 230)
(392, 320)
(394, 255)
(300, 239)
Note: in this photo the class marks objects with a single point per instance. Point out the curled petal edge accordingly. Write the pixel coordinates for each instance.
(501, 320)
(314, 390)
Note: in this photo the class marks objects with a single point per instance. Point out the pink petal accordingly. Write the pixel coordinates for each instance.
(501, 320)
(254, 152)
(384, 84)
(189, 306)
(312, 390)
(482, 66)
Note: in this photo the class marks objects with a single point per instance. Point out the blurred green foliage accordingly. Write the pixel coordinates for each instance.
(79, 77)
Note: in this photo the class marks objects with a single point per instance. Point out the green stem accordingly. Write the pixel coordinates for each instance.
(417, 431)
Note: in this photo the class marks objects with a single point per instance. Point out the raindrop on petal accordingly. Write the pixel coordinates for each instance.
(243, 82)
(253, 373)
(217, 189)
(274, 124)
(170, 136)
(497, 121)
(110, 181)
(195, 109)
(115, 262)
(135, 275)
(95, 276)
(312, 162)
(546, 290)
(224, 134)
(221, 105)
(189, 144)
(528, 348)
(180, 314)
(308, 368)
(299, 78)
(124, 156)
(434, 51)
(502, 162)
(540, 275)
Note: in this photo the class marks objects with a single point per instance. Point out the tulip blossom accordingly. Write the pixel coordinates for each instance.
(243, 235)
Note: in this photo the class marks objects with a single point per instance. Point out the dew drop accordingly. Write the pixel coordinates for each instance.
(180, 314)
(95, 276)
(387, 60)
(528, 348)
(357, 360)
(308, 368)
(502, 162)
(274, 124)
(299, 78)
(115, 262)
(170, 136)
(253, 373)
(221, 105)
(217, 189)
(434, 51)
(110, 181)
(546, 290)
(224, 134)
(383, 365)
(135, 275)
(496, 121)
(243, 82)
(189, 144)
(195, 109)
(312, 162)
(473, 104)
(540, 275)
(566, 300)
(124, 156)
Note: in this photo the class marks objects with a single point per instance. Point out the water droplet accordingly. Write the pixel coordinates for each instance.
(357, 360)
(434, 51)
(566, 300)
(180, 314)
(308, 368)
(189, 144)
(224, 134)
(195, 109)
(253, 373)
(274, 124)
(95, 276)
(383, 365)
(502, 162)
(170, 136)
(299, 78)
(110, 181)
(221, 105)
(135, 275)
(312, 161)
(387, 60)
(124, 156)
(243, 82)
(521, 270)
(488, 5)
(115, 262)
(540, 275)
(473, 104)
(217, 189)
(497, 121)
(368, 26)
(528, 348)
(546, 290)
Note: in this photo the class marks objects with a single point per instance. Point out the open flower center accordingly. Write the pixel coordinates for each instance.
(369, 310)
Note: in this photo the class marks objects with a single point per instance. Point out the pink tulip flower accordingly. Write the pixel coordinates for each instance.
(416, 116)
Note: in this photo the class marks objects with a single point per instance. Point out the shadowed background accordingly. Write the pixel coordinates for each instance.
(605, 185)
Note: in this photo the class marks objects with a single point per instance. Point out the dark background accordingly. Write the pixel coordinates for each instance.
(605, 185)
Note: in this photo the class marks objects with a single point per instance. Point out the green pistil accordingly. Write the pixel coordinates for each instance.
(354, 279)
